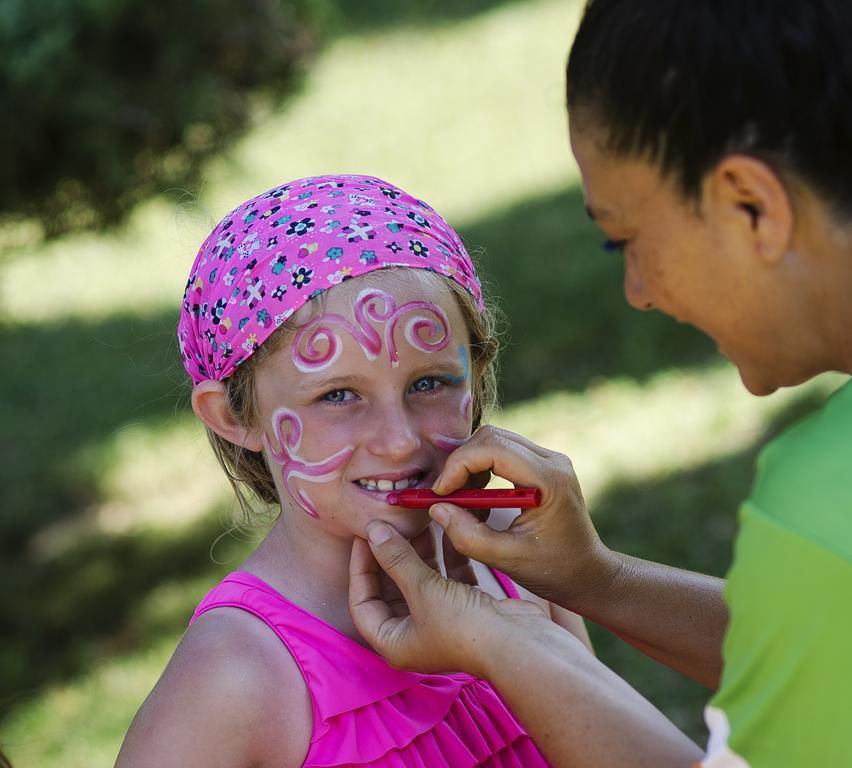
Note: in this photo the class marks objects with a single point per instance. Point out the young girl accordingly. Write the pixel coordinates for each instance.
(339, 346)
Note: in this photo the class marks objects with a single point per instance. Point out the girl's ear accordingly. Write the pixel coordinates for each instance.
(211, 406)
(753, 197)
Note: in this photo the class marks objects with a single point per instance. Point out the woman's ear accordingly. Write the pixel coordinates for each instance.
(754, 198)
(210, 405)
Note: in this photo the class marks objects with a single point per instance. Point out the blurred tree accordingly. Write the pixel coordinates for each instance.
(105, 102)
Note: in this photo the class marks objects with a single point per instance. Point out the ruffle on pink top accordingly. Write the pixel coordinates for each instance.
(368, 714)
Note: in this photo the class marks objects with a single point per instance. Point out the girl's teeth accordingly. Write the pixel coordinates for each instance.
(388, 485)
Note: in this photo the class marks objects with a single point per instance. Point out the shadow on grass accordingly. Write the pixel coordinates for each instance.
(687, 520)
(67, 387)
(68, 615)
(562, 296)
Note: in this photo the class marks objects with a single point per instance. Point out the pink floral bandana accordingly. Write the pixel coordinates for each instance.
(277, 251)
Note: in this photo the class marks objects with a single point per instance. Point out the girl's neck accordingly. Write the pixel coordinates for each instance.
(310, 567)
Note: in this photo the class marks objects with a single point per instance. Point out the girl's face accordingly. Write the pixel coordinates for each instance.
(369, 395)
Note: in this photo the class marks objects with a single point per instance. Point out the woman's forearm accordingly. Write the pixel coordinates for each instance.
(677, 617)
(580, 713)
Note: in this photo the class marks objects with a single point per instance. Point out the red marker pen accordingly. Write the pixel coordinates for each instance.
(475, 498)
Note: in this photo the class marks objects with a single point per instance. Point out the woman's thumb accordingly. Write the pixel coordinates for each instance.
(395, 555)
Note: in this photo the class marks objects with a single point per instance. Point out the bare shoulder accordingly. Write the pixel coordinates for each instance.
(232, 695)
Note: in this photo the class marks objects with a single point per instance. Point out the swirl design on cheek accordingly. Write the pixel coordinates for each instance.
(428, 334)
(287, 427)
(466, 407)
(449, 444)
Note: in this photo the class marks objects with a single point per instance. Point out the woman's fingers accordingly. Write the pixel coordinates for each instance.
(553, 550)
(497, 451)
(479, 480)
(539, 450)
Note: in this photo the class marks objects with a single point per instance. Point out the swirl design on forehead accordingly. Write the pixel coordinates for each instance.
(428, 331)
(287, 427)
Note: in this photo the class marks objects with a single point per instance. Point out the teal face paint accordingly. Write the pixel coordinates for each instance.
(465, 364)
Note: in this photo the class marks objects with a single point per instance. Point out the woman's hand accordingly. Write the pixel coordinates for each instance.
(541, 670)
(440, 624)
(674, 616)
(552, 550)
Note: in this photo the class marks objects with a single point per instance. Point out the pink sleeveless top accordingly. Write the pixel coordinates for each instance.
(365, 713)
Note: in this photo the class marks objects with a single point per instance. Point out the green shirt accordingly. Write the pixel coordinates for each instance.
(786, 694)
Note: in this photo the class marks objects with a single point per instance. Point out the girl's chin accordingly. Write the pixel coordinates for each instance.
(409, 523)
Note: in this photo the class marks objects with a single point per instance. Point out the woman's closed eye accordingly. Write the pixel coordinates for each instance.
(614, 245)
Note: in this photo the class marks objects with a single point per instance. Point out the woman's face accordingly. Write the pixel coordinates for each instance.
(368, 395)
(699, 268)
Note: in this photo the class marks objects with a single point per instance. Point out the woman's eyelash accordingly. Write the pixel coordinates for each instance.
(613, 245)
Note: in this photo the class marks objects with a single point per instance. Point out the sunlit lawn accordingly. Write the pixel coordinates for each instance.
(113, 509)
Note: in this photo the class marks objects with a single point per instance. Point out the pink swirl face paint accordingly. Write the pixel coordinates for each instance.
(317, 343)
(448, 444)
(466, 407)
(287, 427)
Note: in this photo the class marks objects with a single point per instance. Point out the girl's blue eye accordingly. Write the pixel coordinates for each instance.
(426, 384)
(614, 245)
(338, 396)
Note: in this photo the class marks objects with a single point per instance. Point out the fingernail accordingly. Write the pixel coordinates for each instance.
(378, 533)
(440, 514)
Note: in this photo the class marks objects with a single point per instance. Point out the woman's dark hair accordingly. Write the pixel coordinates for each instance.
(683, 83)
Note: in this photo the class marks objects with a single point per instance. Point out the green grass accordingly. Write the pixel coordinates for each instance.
(113, 510)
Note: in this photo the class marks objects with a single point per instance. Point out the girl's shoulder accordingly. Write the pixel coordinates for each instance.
(231, 695)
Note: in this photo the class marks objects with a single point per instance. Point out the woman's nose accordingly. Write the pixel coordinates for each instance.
(634, 287)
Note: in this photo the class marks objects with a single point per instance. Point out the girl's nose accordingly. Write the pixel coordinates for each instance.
(395, 434)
